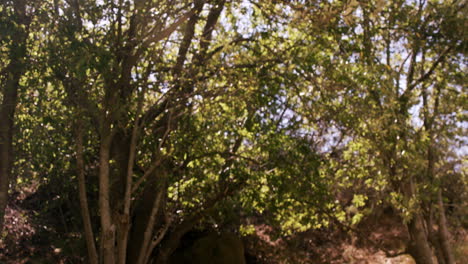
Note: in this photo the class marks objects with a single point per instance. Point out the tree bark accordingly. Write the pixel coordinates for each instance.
(89, 235)
(443, 231)
(419, 247)
(10, 87)
(107, 226)
(148, 234)
(7, 113)
(124, 225)
(6, 134)
(142, 218)
(434, 236)
(121, 144)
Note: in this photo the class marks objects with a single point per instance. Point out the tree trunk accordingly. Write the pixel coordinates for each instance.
(107, 227)
(148, 234)
(435, 241)
(434, 237)
(89, 235)
(419, 247)
(6, 133)
(10, 87)
(443, 231)
(120, 154)
(142, 216)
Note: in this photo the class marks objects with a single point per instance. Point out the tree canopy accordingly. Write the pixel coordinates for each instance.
(155, 117)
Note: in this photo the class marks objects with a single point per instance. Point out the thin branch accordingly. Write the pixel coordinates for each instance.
(148, 172)
(146, 243)
(426, 75)
(158, 238)
(157, 162)
(187, 40)
(156, 36)
(433, 67)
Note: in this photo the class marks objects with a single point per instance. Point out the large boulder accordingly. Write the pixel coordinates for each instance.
(213, 248)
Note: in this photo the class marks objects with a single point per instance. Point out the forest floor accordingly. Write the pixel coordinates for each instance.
(31, 238)
(379, 241)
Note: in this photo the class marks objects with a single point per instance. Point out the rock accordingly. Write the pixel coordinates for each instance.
(213, 248)
(403, 259)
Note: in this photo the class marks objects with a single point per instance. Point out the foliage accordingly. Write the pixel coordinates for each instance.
(307, 113)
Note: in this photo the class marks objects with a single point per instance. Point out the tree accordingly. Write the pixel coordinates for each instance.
(170, 115)
(145, 84)
(388, 67)
(14, 26)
